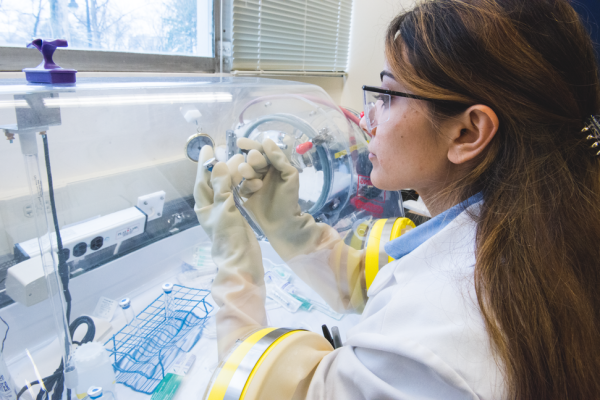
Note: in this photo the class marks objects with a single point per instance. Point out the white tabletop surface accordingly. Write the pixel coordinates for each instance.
(100, 282)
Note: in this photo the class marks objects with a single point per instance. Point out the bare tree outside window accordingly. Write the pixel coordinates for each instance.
(179, 26)
(150, 26)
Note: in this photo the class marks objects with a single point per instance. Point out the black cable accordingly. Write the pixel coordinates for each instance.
(63, 269)
(5, 334)
(41, 395)
(91, 331)
(57, 379)
(48, 382)
(60, 387)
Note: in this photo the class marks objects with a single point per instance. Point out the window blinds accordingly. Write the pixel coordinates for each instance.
(291, 35)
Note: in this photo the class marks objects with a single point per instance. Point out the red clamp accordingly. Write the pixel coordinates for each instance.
(304, 147)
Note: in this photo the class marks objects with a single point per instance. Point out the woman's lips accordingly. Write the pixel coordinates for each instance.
(372, 156)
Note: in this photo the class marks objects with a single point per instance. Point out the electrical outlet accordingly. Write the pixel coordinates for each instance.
(28, 209)
(152, 204)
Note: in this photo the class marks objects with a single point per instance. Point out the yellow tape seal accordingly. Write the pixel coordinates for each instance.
(217, 392)
(401, 226)
(344, 152)
(372, 256)
(260, 360)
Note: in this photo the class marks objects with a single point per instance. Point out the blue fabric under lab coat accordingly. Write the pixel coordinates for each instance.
(412, 239)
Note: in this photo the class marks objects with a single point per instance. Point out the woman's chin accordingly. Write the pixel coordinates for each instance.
(380, 182)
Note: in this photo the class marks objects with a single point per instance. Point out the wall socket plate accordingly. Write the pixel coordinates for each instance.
(152, 204)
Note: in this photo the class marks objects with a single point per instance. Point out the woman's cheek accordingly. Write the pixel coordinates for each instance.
(379, 176)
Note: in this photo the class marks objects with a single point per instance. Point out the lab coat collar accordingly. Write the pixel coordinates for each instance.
(412, 239)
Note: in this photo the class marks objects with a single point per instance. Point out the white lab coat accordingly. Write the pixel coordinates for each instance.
(421, 335)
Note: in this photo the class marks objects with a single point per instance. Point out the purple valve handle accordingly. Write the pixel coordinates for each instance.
(47, 48)
(48, 71)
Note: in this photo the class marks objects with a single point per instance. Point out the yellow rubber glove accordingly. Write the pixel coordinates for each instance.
(315, 251)
(272, 193)
(239, 288)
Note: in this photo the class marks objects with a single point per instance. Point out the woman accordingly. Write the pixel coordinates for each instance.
(496, 296)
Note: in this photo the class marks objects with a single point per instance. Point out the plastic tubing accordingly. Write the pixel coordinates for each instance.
(309, 131)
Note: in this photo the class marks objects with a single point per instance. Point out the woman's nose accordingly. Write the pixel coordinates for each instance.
(363, 126)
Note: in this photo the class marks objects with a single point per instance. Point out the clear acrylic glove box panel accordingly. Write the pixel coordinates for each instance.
(112, 164)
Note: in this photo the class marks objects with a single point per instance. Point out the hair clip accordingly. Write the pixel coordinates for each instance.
(593, 125)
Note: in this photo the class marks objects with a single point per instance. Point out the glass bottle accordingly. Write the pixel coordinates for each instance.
(95, 393)
(168, 302)
(132, 321)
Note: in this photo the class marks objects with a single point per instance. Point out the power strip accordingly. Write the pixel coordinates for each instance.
(90, 236)
(26, 282)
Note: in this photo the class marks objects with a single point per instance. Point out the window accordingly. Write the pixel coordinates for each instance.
(158, 27)
(180, 35)
(153, 26)
(291, 35)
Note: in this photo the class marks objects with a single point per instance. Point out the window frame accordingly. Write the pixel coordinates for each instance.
(16, 59)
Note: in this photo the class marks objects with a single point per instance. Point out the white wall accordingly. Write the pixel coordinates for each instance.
(370, 19)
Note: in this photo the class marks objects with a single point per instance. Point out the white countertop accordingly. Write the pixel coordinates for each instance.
(140, 277)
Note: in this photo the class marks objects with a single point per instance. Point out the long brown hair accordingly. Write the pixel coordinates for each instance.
(537, 273)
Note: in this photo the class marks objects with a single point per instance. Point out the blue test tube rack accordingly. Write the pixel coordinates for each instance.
(142, 357)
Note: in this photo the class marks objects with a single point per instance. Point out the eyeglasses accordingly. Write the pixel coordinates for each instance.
(376, 103)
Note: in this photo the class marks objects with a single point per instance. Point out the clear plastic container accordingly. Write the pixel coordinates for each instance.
(120, 152)
(168, 302)
(131, 319)
(330, 152)
(97, 393)
(94, 369)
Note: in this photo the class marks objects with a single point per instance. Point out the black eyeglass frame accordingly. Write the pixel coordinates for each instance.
(412, 96)
(401, 94)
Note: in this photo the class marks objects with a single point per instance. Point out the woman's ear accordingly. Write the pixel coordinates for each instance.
(471, 132)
